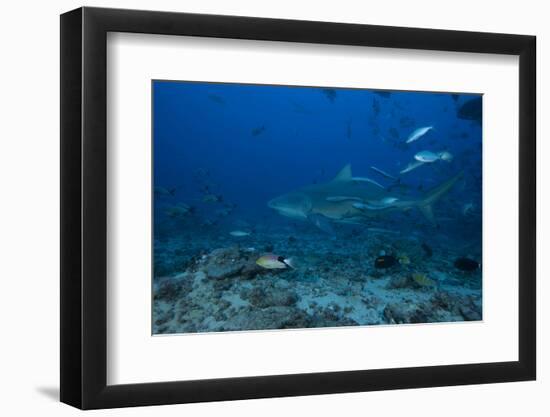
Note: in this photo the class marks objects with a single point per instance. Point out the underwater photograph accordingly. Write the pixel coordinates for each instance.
(293, 207)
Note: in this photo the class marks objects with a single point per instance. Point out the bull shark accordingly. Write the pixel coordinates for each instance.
(346, 200)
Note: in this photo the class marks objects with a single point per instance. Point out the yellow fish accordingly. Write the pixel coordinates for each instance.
(423, 280)
(271, 261)
(404, 260)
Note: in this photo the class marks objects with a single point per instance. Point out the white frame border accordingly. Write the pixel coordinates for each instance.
(134, 356)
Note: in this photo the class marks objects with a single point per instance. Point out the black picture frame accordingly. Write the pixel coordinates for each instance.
(84, 207)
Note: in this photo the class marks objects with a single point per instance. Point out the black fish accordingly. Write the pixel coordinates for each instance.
(471, 110)
(382, 93)
(258, 130)
(348, 129)
(298, 107)
(394, 133)
(375, 107)
(216, 99)
(427, 249)
(455, 97)
(406, 122)
(385, 261)
(330, 93)
(466, 264)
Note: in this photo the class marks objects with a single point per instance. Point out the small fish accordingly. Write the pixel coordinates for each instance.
(400, 187)
(330, 94)
(467, 209)
(445, 156)
(212, 198)
(216, 99)
(224, 212)
(428, 156)
(418, 133)
(161, 191)
(382, 93)
(388, 200)
(179, 210)
(466, 264)
(385, 261)
(382, 231)
(239, 233)
(411, 166)
(394, 133)
(376, 205)
(471, 110)
(202, 172)
(375, 107)
(258, 130)
(406, 122)
(365, 179)
(427, 249)
(404, 260)
(271, 261)
(208, 222)
(383, 173)
(298, 107)
(422, 280)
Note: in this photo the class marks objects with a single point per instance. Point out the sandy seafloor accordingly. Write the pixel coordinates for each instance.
(209, 281)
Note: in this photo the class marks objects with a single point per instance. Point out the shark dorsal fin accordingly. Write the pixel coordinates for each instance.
(344, 174)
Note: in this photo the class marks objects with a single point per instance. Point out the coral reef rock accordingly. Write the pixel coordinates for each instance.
(229, 262)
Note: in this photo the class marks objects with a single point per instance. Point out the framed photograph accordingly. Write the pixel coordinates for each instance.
(257, 208)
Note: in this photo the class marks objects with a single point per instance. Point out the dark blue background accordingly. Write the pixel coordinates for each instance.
(210, 126)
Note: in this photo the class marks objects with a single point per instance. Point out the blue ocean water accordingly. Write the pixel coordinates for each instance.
(223, 151)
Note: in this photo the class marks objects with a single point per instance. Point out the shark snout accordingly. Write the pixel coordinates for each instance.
(294, 205)
(279, 205)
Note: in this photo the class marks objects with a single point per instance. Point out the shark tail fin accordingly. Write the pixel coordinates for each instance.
(425, 205)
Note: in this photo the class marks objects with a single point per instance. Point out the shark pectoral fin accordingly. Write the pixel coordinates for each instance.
(321, 222)
(427, 211)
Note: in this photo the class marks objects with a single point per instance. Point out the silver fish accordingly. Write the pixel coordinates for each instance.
(239, 233)
(426, 156)
(383, 173)
(418, 133)
(365, 179)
